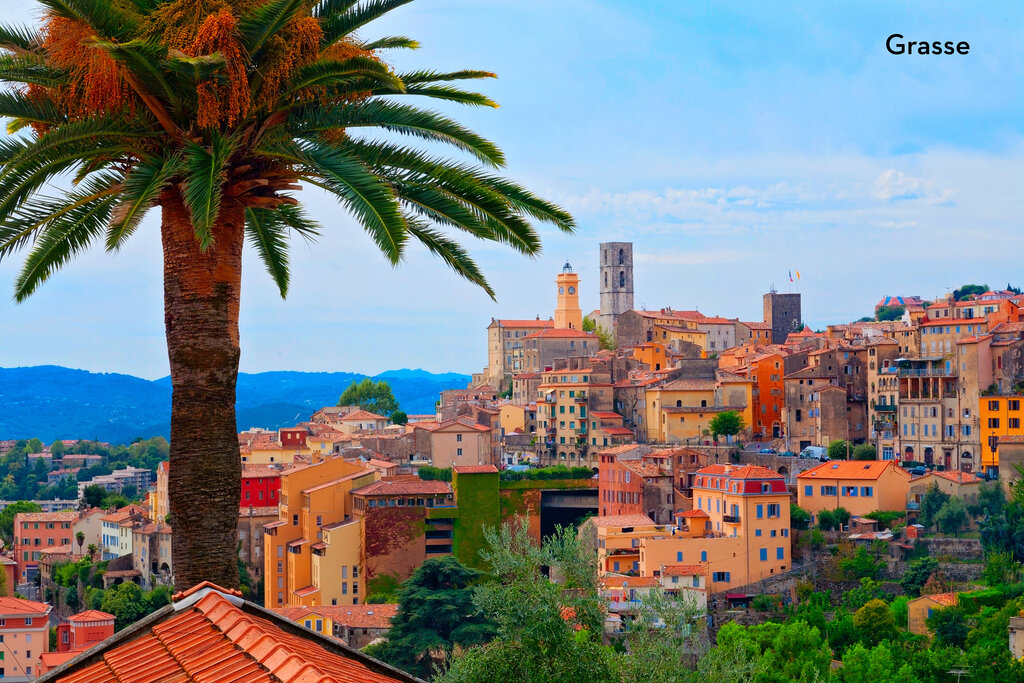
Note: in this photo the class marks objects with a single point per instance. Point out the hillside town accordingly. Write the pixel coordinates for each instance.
(730, 465)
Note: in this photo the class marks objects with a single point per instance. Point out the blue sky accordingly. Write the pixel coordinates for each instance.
(731, 142)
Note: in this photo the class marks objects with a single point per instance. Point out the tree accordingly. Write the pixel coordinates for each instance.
(917, 574)
(842, 517)
(875, 622)
(375, 397)
(952, 516)
(93, 496)
(865, 451)
(728, 424)
(967, 291)
(126, 602)
(80, 537)
(932, 502)
(826, 520)
(838, 449)
(1001, 569)
(798, 517)
(7, 518)
(889, 313)
(949, 626)
(399, 417)
(605, 338)
(435, 614)
(58, 449)
(877, 665)
(217, 113)
(93, 551)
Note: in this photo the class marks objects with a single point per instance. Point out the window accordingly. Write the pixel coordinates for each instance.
(828, 490)
(458, 437)
(1013, 422)
(1013, 404)
(993, 405)
(760, 511)
(780, 553)
(703, 555)
(720, 577)
(850, 491)
(458, 451)
(774, 510)
(993, 423)
(773, 533)
(809, 491)
(764, 554)
(867, 491)
(757, 532)
(679, 556)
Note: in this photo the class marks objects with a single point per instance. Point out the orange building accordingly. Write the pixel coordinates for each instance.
(651, 354)
(998, 416)
(82, 631)
(859, 486)
(36, 531)
(767, 395)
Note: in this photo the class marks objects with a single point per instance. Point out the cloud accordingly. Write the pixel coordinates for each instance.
(694, 258)
(893, 185)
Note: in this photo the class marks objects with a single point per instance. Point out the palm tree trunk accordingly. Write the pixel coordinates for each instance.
(201, 298)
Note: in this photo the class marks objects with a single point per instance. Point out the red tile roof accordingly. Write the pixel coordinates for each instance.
(944, 599)
(475, 469)
(744, 472)
(605, 415)
(617, 431)
(683, 570)
(62, 516)
(404, 488)
(564, 333)
(216, 640)
(851, 469)
(692, 513)
(959, 477)
(91, 615)
(622, 520)
(629, 581)
(525, 323)
(361, 415)
(16, 607)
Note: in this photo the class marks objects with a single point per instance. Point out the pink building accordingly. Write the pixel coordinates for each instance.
(23, 637)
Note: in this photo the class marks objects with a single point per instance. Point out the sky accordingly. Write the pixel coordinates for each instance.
(731, 142)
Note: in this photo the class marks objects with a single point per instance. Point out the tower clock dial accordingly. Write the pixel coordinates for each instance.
(561, 290)
(572, 290)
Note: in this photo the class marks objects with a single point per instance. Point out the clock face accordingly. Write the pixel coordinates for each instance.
(572, 290)
(561, 290)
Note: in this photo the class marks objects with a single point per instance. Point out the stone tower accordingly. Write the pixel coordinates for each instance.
(616, 275)
(568, 314)
(782, 312)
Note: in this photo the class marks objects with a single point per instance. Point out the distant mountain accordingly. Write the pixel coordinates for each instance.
(53, 402)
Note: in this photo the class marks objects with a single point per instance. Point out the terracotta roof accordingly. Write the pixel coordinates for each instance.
(359, 616)
(1011, 438)
(465, 422)
(605, 415)
(683, 570)
(692, 513)
(253, 471)
(756, 325)
(404, 488)
(124, 513)
(959, 477)
(475, 469)
(743, 472)
(308, 590)
(215, 639)
(564, 333)
(617, 431)
(361, 415)
(851, 469)
(622, 520)
(62, 516)
(91, 615)
(15, 607)
(689, 385)
(944, 599)
(629, 581)
(644, 469)
(525, 323)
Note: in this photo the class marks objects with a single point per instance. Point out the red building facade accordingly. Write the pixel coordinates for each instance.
(261, 486)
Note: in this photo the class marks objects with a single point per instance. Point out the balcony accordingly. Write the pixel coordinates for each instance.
(927, 372)
(885, 409)
(731, 519)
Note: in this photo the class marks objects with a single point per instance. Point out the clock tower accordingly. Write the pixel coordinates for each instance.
(567, 313)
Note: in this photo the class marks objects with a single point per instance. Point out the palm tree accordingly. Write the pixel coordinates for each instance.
(217, 112)
(80, 537)
(92, 549)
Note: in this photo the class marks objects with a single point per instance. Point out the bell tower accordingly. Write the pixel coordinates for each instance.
(568, 314)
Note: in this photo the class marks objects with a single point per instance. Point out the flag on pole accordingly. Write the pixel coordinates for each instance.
(791, 276)
(798, 275)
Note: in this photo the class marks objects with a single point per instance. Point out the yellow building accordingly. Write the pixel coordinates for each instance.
(919, 609)
(563, 405)
(737, 533)
(859, 486)
(999, 416)
(651, 354)
(460, 442)
(568, 314)
(963, 485)
(312, 498)
(681, 331)
(683, 409)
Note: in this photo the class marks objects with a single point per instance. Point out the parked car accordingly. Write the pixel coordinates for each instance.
(787, 454)
(919, 471)
(767, 451)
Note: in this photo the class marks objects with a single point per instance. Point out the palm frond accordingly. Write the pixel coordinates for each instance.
(391, 43)
(399, 118)
(451, 253)
(23, 110)
(144, 59)
(297, 219)
(196, 68)
(107, 19)
(366, 194)
(338, 25)
(324, 9)
(268, 235)
(427, 76)
(30, 69)
(442, 92)
(330, 72)
(267, 19)
(140, 191)
(19, 39)
(205, 170)
(74, 223)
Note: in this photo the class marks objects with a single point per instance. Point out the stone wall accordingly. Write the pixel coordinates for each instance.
(957, 547)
